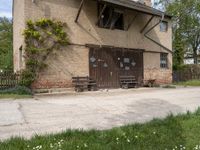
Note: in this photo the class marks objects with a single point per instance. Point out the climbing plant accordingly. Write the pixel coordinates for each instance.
(42, 37)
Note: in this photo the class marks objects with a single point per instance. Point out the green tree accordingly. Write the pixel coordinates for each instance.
(186, 26)
(6, 44)
(178, 47)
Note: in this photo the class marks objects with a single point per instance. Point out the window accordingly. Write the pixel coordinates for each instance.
(111, 18)
(163, 60)
(163, 26)
(198, 61)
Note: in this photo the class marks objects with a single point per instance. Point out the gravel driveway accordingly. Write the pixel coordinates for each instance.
(92, 110)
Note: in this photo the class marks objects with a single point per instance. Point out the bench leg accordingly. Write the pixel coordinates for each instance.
(124, 86)
(78, 89)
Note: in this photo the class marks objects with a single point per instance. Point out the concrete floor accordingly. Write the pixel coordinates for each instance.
(92, 110)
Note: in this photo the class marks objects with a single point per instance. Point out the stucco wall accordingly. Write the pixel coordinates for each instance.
(86, 32)
(153, 71)
(18, 27)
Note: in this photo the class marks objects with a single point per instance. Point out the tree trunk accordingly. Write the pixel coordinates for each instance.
(195, 56)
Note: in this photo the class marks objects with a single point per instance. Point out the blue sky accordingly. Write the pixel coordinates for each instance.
(6, 8)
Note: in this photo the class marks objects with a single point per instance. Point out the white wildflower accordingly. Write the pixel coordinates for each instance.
(51, 145)
(85, 145)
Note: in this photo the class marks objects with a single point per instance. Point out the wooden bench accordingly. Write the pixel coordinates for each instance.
(84, 83)
(128, 81)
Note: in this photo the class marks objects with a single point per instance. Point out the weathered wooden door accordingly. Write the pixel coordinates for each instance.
(107, 65)
(103, 68)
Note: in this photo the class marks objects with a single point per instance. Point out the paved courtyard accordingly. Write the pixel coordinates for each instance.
(92, 110)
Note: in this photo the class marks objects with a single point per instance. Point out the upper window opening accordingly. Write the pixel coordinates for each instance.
(163, 60)
(111, 18)
(163, 26)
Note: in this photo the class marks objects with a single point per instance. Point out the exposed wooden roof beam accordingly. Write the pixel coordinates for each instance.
(146, 24)
(129, 25)
(79, 11)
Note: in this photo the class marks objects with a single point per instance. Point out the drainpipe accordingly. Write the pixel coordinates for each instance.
(154, 41)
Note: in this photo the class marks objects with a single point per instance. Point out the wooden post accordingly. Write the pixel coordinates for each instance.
(79, 11)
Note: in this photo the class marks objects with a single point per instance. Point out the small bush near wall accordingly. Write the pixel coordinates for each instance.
(187, 72)
(19, 90)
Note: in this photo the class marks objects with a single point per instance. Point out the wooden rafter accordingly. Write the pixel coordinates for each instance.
(100, 15)
(79, 11)
(129, 25)
(146, 24)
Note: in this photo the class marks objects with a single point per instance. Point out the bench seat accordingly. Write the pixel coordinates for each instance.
(128, 81)
(83, 83)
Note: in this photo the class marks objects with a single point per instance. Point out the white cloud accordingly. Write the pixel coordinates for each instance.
(6, 14)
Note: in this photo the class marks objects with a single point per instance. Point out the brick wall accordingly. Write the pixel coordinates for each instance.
(62, 66)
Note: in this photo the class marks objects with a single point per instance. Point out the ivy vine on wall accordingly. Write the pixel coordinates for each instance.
(42, 37)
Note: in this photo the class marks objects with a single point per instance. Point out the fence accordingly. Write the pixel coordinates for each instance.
(8, 80)
(190, 72)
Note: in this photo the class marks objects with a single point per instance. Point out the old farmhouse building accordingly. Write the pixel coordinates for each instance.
(108, 39)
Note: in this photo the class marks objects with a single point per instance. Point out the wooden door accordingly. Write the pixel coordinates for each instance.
(103, 68)
(107, 65)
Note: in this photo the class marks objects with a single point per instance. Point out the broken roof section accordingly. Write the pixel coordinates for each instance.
(130, 4)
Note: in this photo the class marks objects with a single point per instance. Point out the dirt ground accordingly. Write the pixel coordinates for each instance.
(92, 110)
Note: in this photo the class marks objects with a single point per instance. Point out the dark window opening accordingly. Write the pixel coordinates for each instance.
(163, 60)
(111, 18)
(163, 26)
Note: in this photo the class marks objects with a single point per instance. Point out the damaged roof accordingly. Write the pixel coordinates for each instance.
(130, 4)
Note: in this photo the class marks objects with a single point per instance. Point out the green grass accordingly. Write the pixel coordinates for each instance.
(182, 131)
(14, 96)
(189, 83)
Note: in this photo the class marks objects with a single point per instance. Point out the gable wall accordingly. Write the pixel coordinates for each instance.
(86, 32)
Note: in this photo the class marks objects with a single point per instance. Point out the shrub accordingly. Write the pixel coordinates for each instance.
(42, 37)
(20, 90)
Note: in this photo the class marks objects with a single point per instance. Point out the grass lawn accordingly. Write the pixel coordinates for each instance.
(189, 83)
(180, 132)
(14, 96)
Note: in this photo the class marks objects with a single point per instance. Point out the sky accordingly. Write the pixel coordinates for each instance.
(6, 8)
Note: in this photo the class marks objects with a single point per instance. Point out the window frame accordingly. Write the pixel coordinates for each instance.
(164, 57)
(114, 10)
(167, 26)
